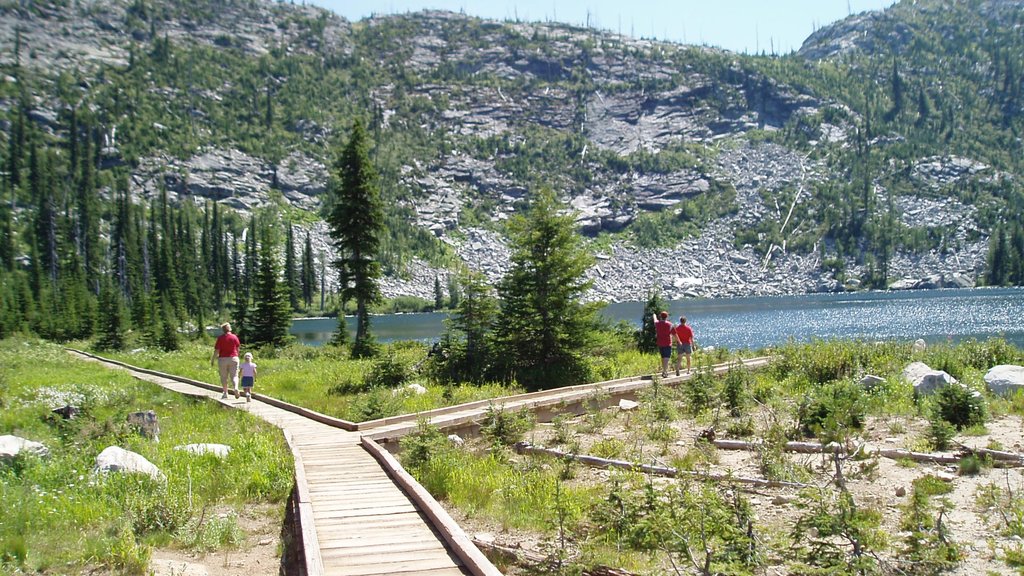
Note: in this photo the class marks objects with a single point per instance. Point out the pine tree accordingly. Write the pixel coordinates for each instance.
(112, 319)
(308, 274)
(291, 272)
(646, 338)
(88, 207)
(438, 294)
(543, 318)
(998, 258)
(474, 320)
(356, 218)
(271, 318)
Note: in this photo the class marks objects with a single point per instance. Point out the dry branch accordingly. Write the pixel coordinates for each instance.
(604, 463)
(523, 557)
(1005, 458)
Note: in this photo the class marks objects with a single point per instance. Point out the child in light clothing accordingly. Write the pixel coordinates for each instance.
(247, 370)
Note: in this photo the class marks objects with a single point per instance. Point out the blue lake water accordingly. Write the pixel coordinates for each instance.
(934, 315)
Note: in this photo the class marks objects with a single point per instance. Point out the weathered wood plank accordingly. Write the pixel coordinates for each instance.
(382, 566)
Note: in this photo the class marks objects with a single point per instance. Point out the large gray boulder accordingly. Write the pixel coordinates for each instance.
(117, 459)
(1005, 379)
(11, 446)
(926, 380)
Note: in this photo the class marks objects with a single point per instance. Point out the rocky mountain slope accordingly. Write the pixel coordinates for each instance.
(697, 171)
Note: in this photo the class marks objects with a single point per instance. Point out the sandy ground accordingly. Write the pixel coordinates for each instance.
(260, 555)
(887, 490)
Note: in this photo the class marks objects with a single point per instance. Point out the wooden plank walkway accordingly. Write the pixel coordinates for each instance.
(544, 403)
(368, 518)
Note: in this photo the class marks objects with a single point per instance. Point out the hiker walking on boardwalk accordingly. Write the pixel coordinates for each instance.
(225, 354)
(663, 333)
(683, 336)
(248, 372)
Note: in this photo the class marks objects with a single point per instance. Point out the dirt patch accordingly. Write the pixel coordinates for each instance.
(886, 488)
(259, 555)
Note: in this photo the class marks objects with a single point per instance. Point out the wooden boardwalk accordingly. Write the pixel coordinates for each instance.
(361, 513)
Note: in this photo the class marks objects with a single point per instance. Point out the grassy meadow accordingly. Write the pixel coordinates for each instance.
(59, 517)
(856, 513)
(326, 380)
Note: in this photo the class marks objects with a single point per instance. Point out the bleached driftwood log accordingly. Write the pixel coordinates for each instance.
(1005, 458)
(604, 463)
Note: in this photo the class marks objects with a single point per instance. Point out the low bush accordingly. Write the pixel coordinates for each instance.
(840, 405)
(503, 427)
(960, 406)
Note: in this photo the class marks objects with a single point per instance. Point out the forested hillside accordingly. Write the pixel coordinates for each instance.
(172, 159)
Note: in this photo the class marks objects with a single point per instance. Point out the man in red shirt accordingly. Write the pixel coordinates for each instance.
(684, 343)
(225, 352)
(663, 332)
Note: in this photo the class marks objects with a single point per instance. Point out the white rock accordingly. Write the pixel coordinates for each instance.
(11, 446)
(925, 380)
(628, 404)
(218, 450)
(416, 389)
(1005, 379)
(919, 345)
(869, 381)
(456, 439)
(117, 459)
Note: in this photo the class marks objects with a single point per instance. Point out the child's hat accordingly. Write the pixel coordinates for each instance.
(248, 354)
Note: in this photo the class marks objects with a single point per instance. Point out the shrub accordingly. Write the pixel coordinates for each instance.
(960, 406)
(420, 446)
(699, 391)
(386, 372)
(734, 390)
(608, 448)
(503, 428)
(940, 433)
(834, 406)
(972, 464)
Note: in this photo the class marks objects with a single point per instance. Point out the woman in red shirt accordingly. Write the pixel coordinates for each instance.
(684, 343)
(225, 352)
(663, 333)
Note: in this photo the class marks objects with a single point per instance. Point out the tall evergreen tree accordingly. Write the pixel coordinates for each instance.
(438, 294)
(356, 218)
(474, 320)
(271, 317)
(308, 274)
(46, 216)
(646, 338)
(544, 322)
(88, 208)
(291, 270)
(998, 258)
(112, 318)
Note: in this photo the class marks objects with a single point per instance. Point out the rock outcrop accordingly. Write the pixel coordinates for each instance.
(11, 446)
(925, 380)
(117, 459)
(1005, 379)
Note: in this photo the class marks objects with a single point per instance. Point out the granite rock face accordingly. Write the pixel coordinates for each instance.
(639, 98)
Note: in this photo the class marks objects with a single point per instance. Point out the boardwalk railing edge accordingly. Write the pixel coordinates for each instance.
(380, 430)
(314, 562)
(314, 565)
(293, 408)
(471, 556)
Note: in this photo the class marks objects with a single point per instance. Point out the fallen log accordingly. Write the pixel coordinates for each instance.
(1006, 458)
(604, 463)
(523, 557)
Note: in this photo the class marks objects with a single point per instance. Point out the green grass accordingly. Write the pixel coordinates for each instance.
(60, 517)
(313, 377)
